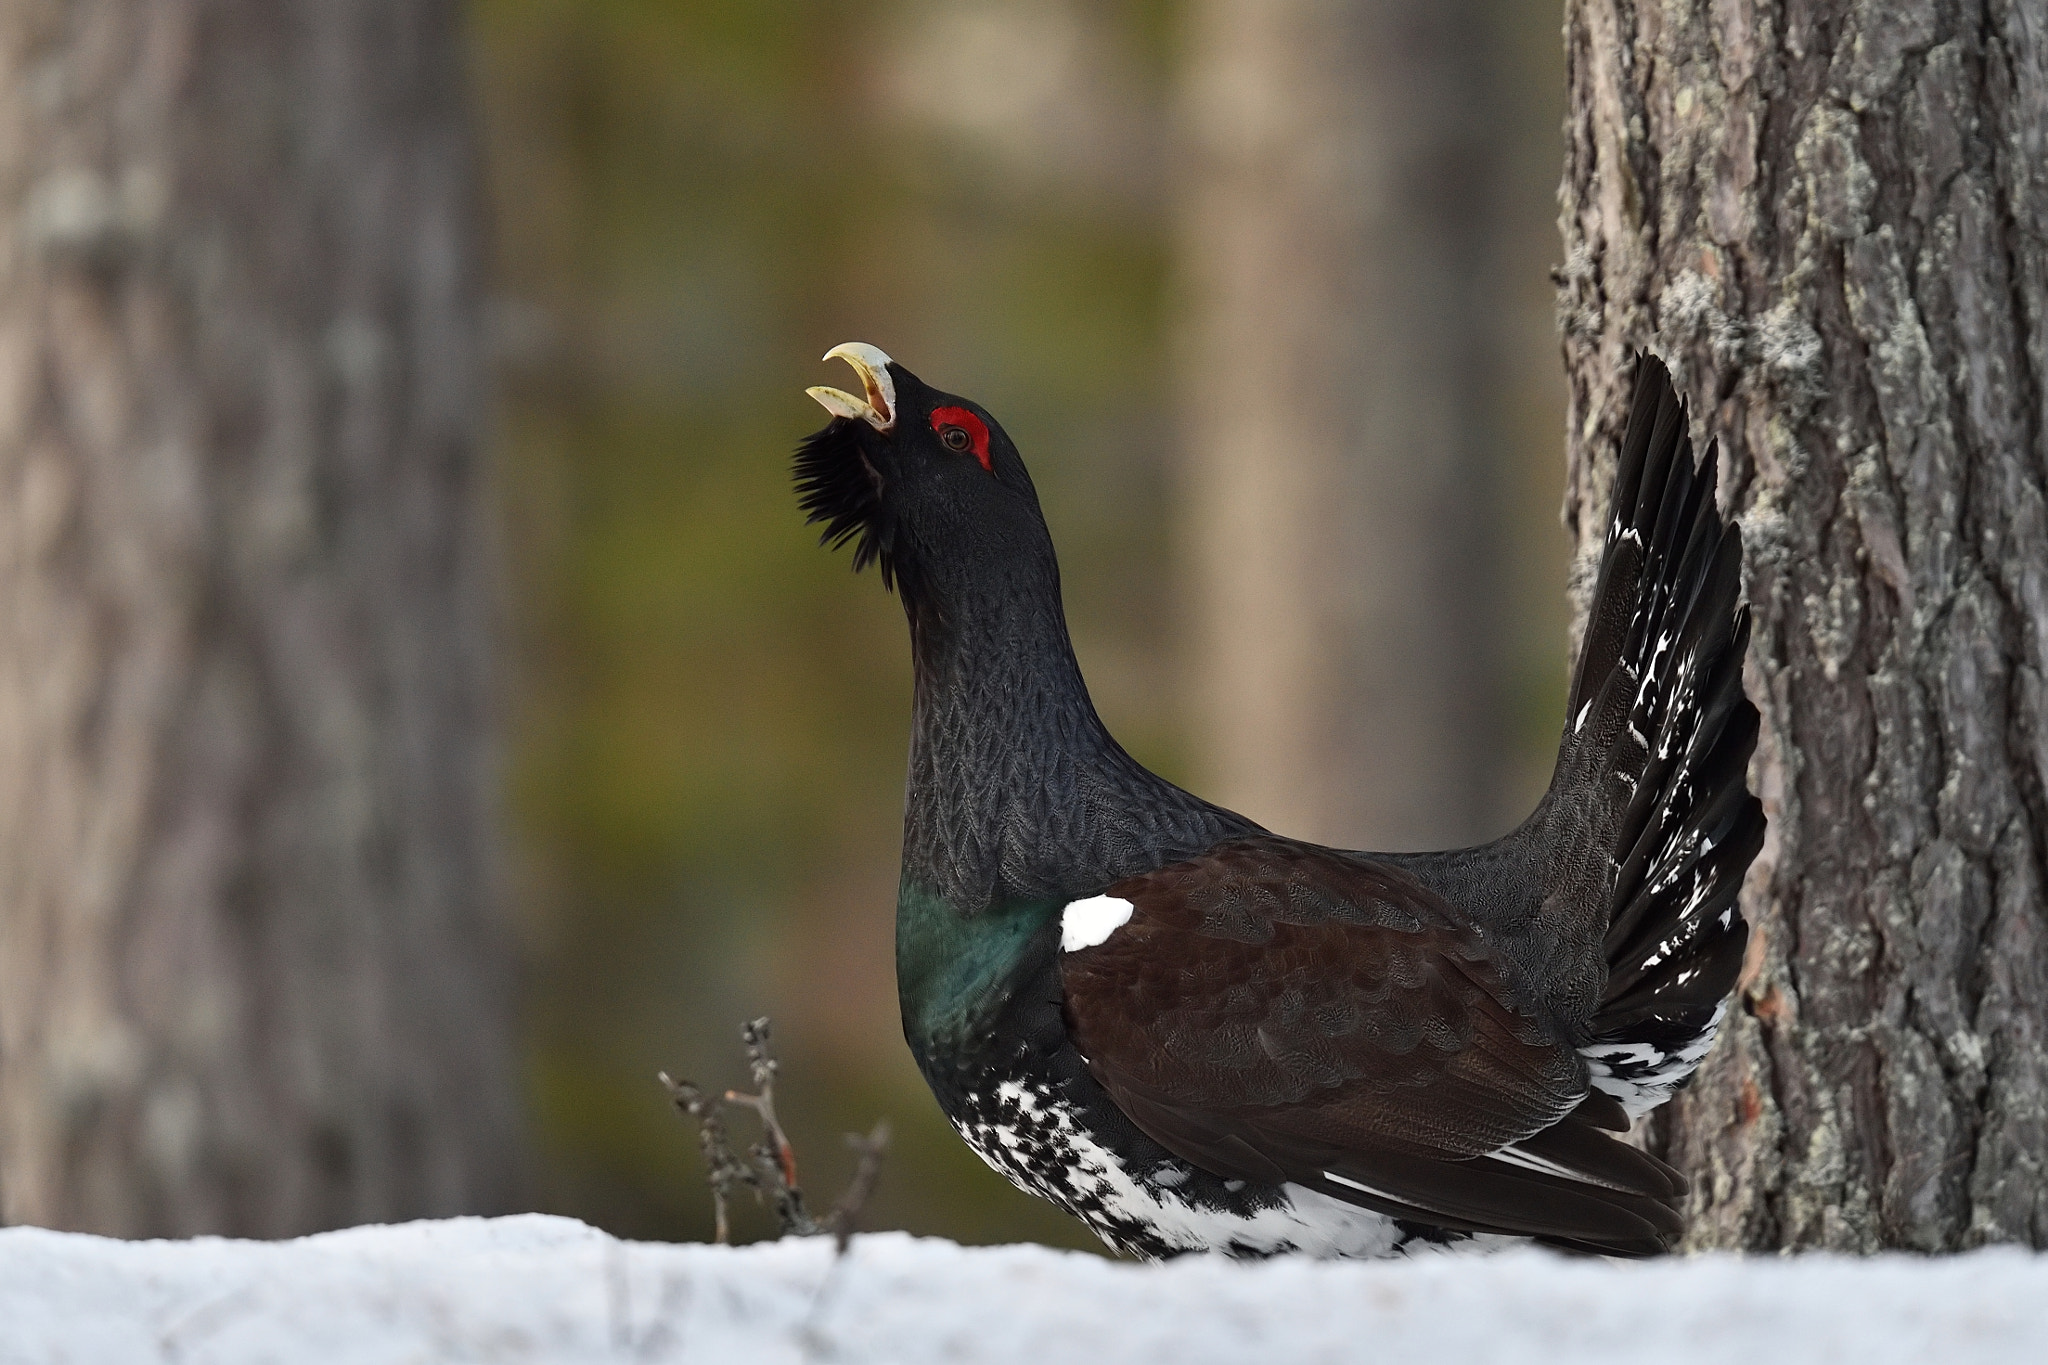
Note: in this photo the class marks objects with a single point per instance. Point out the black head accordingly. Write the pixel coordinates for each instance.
(925, 483)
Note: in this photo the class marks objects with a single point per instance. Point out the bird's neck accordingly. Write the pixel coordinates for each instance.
(1019, 801)
(1004, 738)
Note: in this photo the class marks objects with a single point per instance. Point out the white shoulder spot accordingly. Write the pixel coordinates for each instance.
(1085, 923)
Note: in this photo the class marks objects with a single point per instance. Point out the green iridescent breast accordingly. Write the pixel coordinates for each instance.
(953, 970)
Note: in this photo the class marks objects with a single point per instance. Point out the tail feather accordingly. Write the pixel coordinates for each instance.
(1653, 765)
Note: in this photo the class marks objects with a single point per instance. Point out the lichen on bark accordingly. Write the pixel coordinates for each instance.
(1831, 218)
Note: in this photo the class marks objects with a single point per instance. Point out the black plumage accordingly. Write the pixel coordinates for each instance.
(1199, 1035)
(836, 485)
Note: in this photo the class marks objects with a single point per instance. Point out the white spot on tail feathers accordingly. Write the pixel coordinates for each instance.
(1584, 711)
(1643, 1075)
(1085, 923)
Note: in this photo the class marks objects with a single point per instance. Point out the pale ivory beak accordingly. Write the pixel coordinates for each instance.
(878, 409)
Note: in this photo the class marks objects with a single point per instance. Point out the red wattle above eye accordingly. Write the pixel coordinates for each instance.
(976, 429)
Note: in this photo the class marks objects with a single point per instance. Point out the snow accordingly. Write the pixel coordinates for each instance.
(542, 1289)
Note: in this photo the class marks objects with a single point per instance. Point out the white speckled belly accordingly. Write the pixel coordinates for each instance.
(1035, 1140)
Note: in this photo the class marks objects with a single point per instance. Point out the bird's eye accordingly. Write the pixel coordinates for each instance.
(958, 429)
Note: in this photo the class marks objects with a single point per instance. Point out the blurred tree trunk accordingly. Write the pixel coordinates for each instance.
(1832, 217)
(1341, 518)
(251, 974)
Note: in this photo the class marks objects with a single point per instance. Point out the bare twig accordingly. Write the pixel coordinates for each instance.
(840, 1223)
(867, 1169)
(774, 1157)
(761, 1062)
(768, 1167)
(724, 1171)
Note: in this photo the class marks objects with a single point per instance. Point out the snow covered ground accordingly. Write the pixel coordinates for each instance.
(535, 1289)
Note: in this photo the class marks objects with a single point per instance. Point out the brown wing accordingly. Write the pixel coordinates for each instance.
(1275, 1011)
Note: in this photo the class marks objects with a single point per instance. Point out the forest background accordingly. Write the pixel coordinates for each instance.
(690, 202)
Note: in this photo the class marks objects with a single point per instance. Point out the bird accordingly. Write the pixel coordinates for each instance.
(1198, 1035)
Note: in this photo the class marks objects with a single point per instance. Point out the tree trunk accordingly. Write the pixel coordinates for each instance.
(1832, 218)
(1340, 524)
(252, 978)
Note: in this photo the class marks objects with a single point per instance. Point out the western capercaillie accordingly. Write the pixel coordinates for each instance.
(1196, 1035)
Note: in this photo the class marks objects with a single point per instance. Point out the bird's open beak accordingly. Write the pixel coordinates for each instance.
(878, 409)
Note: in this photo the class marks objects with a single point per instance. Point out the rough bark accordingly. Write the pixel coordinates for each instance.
(251, 976)
(1340, 523)
(1831, 216)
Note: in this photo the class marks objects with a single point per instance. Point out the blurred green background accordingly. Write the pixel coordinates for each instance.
(692, 201)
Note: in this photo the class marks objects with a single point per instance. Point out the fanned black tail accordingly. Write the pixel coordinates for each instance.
(1656, 752)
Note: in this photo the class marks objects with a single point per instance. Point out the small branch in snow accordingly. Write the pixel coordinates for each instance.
(724, 1170)
(773, 1156)
(867, 1169)
(768, 1167)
